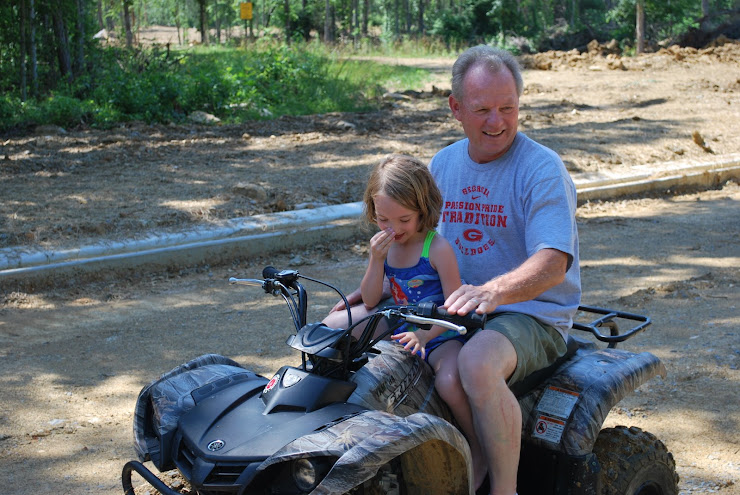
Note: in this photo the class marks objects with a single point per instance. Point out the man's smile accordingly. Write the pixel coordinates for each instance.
(491, 134)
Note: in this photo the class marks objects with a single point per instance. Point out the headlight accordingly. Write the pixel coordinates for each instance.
(307, 473)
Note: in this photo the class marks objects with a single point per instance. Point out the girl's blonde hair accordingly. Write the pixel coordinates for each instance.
(407, 181)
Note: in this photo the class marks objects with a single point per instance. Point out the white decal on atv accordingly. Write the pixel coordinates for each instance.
(271, 384)
(550, 429)
(557, 402)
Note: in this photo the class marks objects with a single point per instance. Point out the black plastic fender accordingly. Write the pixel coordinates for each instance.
(434, 454)
(161, 403)
(567, 411)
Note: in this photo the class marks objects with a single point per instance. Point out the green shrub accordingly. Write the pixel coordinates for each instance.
(65, 111)
(263, 81)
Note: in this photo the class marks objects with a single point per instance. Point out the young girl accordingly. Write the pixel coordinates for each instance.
(403, 200)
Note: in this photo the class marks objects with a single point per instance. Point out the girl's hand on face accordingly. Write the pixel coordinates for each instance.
(380, 243)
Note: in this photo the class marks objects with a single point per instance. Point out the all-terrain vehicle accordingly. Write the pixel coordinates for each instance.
(359, 415)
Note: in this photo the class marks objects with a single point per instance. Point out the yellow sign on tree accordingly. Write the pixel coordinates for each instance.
(245, 10)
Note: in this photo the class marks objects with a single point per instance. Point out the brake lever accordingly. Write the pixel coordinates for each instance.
(422, 320)
(270, 286)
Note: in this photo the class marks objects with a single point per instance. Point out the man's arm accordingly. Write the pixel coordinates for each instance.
(542, 271)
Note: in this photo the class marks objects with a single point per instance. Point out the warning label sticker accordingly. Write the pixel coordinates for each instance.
(547, 428)
(557, 402)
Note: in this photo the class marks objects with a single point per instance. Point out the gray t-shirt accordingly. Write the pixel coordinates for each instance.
(498, 214)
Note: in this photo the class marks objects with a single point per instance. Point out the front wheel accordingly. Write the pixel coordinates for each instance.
(388, 481)
(634, 462)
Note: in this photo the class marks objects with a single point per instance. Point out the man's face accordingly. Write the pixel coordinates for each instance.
(489, 112)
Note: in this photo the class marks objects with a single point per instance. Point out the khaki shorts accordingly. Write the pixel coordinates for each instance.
(537, 345)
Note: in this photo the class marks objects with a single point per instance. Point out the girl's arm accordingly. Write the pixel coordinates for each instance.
(371, 287)
(442, 258)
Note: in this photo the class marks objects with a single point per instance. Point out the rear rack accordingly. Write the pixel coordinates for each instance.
(607, 320)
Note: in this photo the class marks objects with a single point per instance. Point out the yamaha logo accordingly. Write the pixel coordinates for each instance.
(216, 445)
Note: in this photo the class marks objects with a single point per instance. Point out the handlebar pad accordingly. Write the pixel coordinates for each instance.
(471, 321)
(270, 272)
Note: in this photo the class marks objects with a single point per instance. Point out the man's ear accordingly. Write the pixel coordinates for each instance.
(454, 106)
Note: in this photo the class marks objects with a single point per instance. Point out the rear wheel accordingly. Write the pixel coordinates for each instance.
(634, 462)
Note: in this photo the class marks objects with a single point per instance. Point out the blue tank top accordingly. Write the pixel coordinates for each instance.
(418, 283)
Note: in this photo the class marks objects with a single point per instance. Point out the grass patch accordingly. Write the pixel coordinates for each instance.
(234, 84)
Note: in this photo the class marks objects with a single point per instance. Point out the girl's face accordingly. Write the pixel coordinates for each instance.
(395, 218)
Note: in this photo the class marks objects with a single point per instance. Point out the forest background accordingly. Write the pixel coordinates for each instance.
(82, 63)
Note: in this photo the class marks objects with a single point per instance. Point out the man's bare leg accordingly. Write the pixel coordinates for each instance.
(485, 363)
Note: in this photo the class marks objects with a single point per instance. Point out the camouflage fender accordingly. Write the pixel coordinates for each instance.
(399, 383)
(566, 413)
(434, 454)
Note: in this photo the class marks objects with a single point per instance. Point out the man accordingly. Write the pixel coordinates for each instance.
(509, 210)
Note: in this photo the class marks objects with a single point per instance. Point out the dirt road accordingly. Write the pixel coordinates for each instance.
(74, 360)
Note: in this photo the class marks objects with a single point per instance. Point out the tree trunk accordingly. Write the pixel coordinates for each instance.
(573, 12)
(99, 13)
(365, 15)
(407, 8)
(640, 26)
(704, 24)
(177, 22)
(355, 20)
(286, 11)
(422, 28)
(24, 49)
(203, 22)
(108, 19)
(327, 21)
(705, 8)
(80, 59)
(127, 24)
(62, 41)
(32, 43)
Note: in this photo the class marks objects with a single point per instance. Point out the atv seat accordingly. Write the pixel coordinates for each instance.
(531, 381)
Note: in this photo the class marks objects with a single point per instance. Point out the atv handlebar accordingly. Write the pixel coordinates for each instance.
(283, 282)
(427, 313)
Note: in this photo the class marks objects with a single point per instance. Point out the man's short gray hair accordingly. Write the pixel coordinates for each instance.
(492, 58)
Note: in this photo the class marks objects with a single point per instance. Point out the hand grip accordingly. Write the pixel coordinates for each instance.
(269, 272)
(471, 321)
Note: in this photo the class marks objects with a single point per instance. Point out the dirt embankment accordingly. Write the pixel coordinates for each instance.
(64, 188)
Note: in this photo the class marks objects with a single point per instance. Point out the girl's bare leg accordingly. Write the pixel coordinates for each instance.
(447, 382)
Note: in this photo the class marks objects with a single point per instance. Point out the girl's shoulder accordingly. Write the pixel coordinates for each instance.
(440, 248)
(439, 239)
